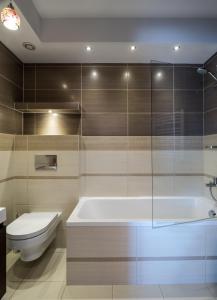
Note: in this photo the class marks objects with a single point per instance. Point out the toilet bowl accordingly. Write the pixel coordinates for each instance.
(32, 233)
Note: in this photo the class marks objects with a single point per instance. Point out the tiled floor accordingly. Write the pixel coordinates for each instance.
(45, 279)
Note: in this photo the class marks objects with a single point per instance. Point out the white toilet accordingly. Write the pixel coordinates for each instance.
(32, 233)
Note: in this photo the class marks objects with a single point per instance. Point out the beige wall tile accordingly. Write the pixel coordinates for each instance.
(103, 162)
(113, 185)
(53, 142)
(138, 186)
(107, 143)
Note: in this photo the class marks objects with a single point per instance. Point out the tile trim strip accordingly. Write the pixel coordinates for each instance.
(99, 174)
(128, 259)
(142, 174)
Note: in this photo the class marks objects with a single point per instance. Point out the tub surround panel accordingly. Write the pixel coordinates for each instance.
(103, 273)
(100, 241)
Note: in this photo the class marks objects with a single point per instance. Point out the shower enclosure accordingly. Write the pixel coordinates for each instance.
(180, 186)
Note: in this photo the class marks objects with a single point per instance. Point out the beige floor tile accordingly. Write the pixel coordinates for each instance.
(88, 292)
(11, 288)
(213, 289)
(140, 292)
(39, 290)
(50, 267)
(17, 270)
(186, 292)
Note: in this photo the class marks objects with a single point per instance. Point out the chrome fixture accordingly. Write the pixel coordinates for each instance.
(212, 213)
(211, 147)
(45, 162)
(203, 71)
(212, 183)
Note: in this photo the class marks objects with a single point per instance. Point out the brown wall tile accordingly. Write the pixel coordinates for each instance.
(59, 96)
(139, 77)
(139, 101)
(10, 66)
(186, 77)
(139, 124)
(161, 77)
(54, 76)
(107, 124)
(188, 101)
(106, 77)
(104, 101)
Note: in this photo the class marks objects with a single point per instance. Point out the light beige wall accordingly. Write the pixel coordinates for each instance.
(123, 166)
(47, 190)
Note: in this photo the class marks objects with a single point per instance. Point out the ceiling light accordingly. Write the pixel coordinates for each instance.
(55, 114)
(94, 74)
(159, 75)
(176, 48)
(50, 111)
(10, 18)
(88, 48)
(65, 86)
(127, 74)
(132, 48)
(29, 46)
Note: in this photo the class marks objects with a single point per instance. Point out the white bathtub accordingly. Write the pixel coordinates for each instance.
(139, 210)
(112, 241)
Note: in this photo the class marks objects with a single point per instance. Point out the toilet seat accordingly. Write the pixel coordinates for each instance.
(31, 225)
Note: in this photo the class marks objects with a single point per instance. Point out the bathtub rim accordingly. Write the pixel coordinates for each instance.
(74, 220)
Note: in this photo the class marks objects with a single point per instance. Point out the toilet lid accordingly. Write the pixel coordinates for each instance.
(30, 225)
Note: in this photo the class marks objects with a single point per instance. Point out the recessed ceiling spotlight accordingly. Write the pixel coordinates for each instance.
(176, 48)
(50, 111)
(88, 48)
(132, 48)
(55, 114)
(29, 46)
(10, 18)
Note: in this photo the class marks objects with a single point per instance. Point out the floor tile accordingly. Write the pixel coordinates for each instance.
(17, 270)
(50, 267)
(130, 292)
(186, 292)
(11, 288)
(88, 292)
(39, 290)
(213, 289)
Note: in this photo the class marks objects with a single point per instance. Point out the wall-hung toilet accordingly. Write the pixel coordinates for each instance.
(32, 233)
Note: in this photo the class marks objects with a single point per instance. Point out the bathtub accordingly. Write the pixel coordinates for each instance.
(140, 241)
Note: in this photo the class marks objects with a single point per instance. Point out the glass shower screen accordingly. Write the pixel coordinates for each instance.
(179, 192)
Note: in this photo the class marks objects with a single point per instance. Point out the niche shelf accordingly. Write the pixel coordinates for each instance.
(45, 107)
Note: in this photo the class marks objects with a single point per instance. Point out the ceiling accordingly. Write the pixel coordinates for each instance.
(60, 30)
(126, 8)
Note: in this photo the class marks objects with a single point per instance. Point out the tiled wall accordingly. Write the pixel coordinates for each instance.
(55, 190)
(116, 99)
(11, 80)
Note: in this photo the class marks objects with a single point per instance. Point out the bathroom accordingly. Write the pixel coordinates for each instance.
(108, 149)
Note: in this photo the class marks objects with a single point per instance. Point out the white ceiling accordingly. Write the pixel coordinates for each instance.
(126, 8)
(63, 39)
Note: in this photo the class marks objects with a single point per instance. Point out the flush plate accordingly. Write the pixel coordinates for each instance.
(45, 162)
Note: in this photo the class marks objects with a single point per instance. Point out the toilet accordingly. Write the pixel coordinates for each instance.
(32, 233)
